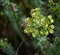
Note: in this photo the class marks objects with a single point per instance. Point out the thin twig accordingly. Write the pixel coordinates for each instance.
(19, 47)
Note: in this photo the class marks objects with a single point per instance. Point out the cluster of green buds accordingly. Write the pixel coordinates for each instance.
(38, 24)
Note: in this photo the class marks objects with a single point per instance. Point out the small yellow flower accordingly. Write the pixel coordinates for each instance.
(33, 14)
(51, 21)
(52, 26)
(51, 31)
(32, 11)
(27, 30)
(44, 24)
(28, 20)
(41, 32)
(49, 17)
(37, 9)
(35, 33)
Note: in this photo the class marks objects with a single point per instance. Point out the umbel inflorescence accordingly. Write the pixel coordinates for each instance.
(38, 24)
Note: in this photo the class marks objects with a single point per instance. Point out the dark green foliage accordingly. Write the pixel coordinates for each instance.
(54, 49)
(35, 3)
(6, 47)
(15, 16)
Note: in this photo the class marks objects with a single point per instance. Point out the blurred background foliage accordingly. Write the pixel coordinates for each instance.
(12, 24)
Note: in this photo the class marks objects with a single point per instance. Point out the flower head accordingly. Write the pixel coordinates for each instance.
(38, 24)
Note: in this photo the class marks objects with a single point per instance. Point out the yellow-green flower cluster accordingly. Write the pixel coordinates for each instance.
(38, 24)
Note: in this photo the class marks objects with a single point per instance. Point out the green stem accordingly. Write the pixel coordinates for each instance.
(23, 37)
